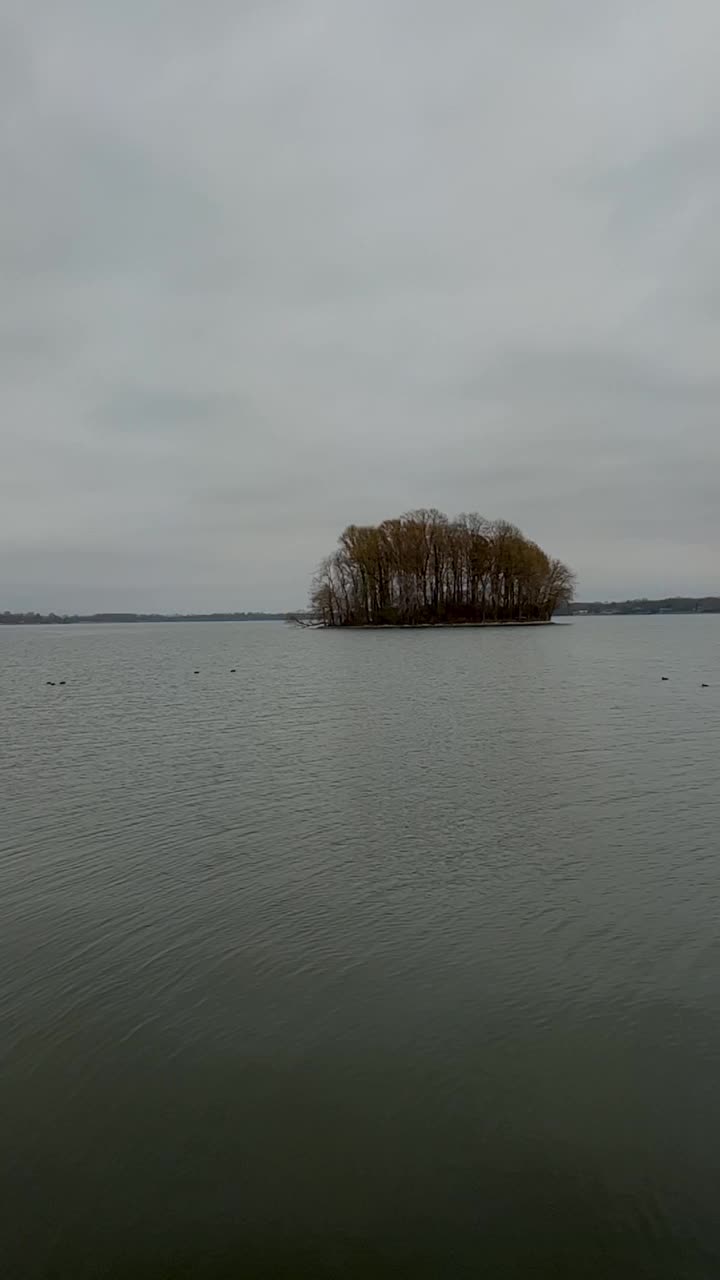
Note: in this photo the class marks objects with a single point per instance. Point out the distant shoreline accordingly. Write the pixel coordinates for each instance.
(299, 619)
(668, 607)
(102, 619)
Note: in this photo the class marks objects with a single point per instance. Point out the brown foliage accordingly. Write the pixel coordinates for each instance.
(423, 568)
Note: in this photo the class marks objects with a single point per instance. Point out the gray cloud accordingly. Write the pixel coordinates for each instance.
(269, 268)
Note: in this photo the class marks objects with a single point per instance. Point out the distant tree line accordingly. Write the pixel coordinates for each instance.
(671, 604)
(54, 619)
(424, 568)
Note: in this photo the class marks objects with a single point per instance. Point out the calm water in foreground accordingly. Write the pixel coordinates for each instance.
(393, 954)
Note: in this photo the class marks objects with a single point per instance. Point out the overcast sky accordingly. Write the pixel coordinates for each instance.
(270, 267)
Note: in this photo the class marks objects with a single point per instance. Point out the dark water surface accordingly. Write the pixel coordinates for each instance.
(393, 954)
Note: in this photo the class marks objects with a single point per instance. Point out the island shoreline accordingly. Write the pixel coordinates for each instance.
(427, 626)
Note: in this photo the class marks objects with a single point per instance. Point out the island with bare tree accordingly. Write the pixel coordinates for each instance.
(426, 570)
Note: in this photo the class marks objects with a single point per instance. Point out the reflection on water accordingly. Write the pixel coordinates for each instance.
(390, 954)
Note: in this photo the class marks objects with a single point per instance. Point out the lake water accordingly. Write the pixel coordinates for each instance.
(392, 954)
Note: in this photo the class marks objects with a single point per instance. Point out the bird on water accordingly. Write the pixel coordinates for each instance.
(664, 677)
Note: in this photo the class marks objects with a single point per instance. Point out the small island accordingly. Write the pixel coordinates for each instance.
(423, 569)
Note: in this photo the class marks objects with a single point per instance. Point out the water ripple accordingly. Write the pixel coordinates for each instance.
(398, 947)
